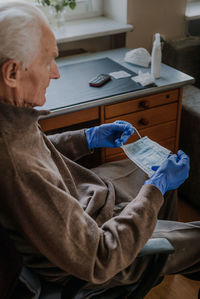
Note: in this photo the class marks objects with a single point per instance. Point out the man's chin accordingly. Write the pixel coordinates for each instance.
(40, 103)
(43, 101)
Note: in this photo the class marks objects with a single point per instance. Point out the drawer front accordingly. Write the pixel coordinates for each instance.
(150, 117)
(160, 134)
(169, 143)
(141, 103)
(69, 119)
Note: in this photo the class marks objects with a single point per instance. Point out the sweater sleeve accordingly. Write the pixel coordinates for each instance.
(72, 144)
(57, 226)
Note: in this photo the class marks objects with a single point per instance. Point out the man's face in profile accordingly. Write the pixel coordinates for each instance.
(36, 77)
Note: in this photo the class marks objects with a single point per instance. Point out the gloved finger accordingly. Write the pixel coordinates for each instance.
(182, 155)
(116, 128)
(173, 157)
(184, 161)
(126, 134)
(182, 158)
(118, 142)
(181, 163)
(125, 126)
(130, 130)
(154, 168)
(124, 138)
(122, 122)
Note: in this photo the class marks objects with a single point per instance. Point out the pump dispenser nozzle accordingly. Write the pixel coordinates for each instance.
(157, 37)
(156, 57)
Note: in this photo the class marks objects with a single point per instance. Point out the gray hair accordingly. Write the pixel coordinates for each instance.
(20, 31)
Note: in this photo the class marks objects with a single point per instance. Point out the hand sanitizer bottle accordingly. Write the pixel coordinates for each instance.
(156, 57)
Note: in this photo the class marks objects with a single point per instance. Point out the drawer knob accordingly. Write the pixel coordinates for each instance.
(167, 96)
(143, 121)
(144, 104)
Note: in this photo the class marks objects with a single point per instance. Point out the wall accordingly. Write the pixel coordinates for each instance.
(151, 16)
(117, 12)
(147, 16)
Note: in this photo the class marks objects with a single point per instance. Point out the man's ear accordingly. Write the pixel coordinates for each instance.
(10, 72)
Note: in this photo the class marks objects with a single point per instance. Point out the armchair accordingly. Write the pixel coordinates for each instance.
(16, 281)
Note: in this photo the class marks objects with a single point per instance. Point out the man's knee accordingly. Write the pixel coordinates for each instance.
(185, 237)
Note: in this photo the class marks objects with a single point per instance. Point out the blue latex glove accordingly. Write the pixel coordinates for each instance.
(109, 135)
(172, 173)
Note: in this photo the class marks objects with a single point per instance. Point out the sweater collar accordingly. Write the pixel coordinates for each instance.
(18, 117)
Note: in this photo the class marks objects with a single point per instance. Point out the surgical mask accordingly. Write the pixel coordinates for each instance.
(139, 56)
(146, 153)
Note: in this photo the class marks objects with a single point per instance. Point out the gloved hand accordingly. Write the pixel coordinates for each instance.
(109, 135)
(172, 173)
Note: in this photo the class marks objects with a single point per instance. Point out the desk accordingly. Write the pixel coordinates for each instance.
(155, 111)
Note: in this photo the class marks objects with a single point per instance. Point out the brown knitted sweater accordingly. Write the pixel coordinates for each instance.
(58, 213)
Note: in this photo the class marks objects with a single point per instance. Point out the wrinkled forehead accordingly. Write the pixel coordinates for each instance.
(48, 42)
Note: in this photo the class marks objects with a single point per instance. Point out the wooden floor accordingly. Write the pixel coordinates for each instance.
(177, 286)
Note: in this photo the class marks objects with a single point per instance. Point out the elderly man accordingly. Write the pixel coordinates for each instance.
(64, 219)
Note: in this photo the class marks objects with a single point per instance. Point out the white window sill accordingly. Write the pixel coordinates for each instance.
(89, 28)
(193, 11)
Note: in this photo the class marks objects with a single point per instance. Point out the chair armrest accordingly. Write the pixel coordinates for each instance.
(157, 245)
(158, 250)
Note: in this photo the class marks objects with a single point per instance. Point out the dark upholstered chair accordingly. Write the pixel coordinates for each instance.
(17, 281)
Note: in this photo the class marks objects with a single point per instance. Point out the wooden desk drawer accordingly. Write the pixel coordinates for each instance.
(141, 103)
(150, 117)
(169, 143)
(160, 134)
(69, 119)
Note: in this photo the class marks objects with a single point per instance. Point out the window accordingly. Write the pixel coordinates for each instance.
(90, 18)
(192, 9)
(84, 9)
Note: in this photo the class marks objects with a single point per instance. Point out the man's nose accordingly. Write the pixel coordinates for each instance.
(55, 74)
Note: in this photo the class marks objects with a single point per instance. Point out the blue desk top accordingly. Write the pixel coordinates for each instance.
(73, 93)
